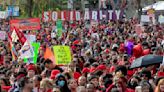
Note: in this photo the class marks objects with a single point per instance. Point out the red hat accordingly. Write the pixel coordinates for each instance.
(76, 42)
(146, 52)
(20, 76)
(137, 50)
(6, 88)
(101, 67)
(122, 47)
(107, 50)
(112, 69)
(92, 70)
(130, 72)
(85, 70)
(73, 47)
(160, 74)
(31, 67)
(76, 75)
(54, 73)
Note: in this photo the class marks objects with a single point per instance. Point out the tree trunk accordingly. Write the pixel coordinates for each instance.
(139, 9)
(30, 6)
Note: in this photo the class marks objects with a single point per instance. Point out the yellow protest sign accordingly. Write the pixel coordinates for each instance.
(62, 55)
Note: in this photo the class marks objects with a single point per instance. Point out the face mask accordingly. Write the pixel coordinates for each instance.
(61, 83)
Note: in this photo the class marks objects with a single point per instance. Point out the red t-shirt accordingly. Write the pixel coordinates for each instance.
(1, 59)
(111, 69)
(129, 90)
(50, 90)
(131, 59)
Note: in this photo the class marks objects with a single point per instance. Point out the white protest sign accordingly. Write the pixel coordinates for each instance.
(145, 18)
(26, 51)
(3, 14)
(14, 36)
(31, 38)
(53, 35)
(161, 19)
(2, 35)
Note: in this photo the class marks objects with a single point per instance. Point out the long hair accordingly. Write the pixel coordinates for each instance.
(65, 87)
(161, 81)
(46, 84)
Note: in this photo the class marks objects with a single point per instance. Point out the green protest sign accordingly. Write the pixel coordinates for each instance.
(62, 55)
(59, 28)
(36, 47)
(25, 60)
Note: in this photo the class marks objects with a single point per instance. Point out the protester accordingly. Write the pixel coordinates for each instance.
(134, 82)
(46, 85)
(81, 89)
(72, 84)
(5, 85)
(82, 81)
(101, 58)
(56, 89)
(160, 85)
(62, 83)
(145, 86)
(36, 83)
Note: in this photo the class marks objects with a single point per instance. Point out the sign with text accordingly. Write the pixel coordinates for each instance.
(35, 46)
(86, 15)
(13, 10)
(2, 35)
(145, 18)
(25, 24)
(59, 28)
(31, 38)
(3, 14)
(161, 19)
(26, 51)
(62, 55)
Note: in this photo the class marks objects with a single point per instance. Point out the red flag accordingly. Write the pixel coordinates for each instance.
(21, 36)
(12, 49)
(10, 39)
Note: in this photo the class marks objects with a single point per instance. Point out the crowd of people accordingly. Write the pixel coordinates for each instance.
(100, 59)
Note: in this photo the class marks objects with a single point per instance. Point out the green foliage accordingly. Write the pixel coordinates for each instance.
(37, 6)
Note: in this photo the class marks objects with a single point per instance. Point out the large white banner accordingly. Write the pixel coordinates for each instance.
(86, 15)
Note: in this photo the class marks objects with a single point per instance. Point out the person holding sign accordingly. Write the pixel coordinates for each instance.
(50, 66)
